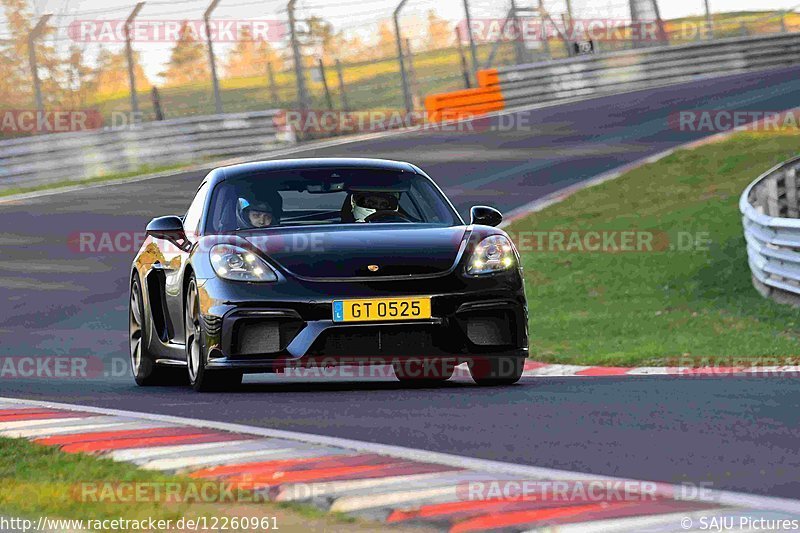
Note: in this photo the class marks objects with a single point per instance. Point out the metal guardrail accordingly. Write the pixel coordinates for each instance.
(771, 217)
(617, 72)
(80, 155)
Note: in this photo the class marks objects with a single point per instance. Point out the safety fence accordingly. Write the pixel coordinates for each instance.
(636, 69)
(41, 159)
(610, 73)
(771, 216)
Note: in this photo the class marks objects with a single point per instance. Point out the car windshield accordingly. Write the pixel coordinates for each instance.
(326, 196)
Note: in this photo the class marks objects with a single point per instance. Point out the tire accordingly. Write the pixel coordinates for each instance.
(145, 371)
(200, 378)
(417, 372)
(497, 371)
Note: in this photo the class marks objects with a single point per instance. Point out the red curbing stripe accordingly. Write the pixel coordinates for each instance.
(461, 509)
(117, 435)
(408, 469)
(579, 514)
(604, 371)
(533, 365)
(55, 415)
(281, 477)
(268, 467)
(229, 470)
(28, 410)
(123, 444)
(495, 521)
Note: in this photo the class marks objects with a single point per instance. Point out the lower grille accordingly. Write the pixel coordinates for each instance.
(488, 330)
(378, 340)
(254, 337)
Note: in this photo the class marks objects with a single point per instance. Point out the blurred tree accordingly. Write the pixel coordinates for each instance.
(110, 76)
(189, 60)
(387, 44)
(78, 78)
(16, 85)
(250, 57)
(440, 33)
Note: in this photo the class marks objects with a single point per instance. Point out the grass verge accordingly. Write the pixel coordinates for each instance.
(690, 297)
(40, 481)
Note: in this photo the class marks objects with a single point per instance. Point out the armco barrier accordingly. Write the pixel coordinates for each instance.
(616, 72)
(771, 216)
(73, 156)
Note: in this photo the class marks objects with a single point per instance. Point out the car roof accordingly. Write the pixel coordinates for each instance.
(233, 171)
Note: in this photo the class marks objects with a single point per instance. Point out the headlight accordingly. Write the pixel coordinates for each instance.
(238, 264)
(493, 254)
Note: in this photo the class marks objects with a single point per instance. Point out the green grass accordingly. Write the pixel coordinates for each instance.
(43, 481)
(651, 308)
(146, 169)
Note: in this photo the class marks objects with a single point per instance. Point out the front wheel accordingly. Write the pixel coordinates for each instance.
(202, 379)
(143, 366)
(497, 371)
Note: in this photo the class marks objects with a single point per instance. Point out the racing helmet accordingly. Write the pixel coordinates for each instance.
(365, 204)
(245, 207)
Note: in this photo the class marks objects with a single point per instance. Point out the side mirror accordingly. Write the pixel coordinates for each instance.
(485, 216)
(169, 228)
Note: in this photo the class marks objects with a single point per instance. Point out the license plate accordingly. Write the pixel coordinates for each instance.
(381, 309)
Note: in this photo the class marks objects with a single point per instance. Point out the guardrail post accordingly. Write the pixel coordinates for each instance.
(403, 76)
(211, 59)
(37, 84)
(131, 65)
(302, 91)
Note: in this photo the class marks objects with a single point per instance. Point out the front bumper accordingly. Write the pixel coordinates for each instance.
(256, 328)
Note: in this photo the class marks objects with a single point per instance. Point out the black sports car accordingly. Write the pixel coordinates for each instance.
(325, 262)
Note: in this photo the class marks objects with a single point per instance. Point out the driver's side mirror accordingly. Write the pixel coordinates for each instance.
(485, 216)
(169, 228)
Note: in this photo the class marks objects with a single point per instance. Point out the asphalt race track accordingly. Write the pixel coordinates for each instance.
(737, 433)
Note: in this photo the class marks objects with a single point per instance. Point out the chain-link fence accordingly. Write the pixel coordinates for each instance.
(355, 55)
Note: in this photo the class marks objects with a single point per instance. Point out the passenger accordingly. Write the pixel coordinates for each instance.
(365, 204)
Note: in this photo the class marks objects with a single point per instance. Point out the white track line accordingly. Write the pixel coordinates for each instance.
(481, 465)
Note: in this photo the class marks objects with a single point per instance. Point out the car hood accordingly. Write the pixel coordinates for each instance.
(353, 251)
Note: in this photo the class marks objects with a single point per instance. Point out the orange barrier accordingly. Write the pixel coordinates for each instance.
(467, 103)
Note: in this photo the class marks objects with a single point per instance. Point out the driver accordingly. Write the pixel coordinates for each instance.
(365, 204)
(256, 214)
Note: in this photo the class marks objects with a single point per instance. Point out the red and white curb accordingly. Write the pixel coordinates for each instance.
(551, 370)
(535, 369)
(396, 485)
